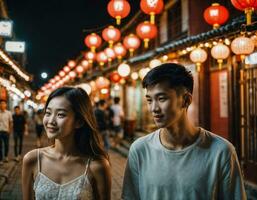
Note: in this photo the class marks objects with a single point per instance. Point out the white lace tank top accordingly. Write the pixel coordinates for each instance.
(47, 189)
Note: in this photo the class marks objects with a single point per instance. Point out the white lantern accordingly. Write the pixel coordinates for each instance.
(134, 75)
(198, 56)
(242, 46)
(143, 72)
(154, 63)
(102, 82)
(220, 52)
(86, 87)
(124, 70)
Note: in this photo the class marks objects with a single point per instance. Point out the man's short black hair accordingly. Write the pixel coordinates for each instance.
(101, 102)
(116, 100)
(176, 75)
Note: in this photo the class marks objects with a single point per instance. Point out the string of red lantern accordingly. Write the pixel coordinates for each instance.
(111, 35)
(216, 15)
(146, 31)
(152, 8)
(118, 9)
(247, 6)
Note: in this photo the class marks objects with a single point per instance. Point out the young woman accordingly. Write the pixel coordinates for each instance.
(75, 166)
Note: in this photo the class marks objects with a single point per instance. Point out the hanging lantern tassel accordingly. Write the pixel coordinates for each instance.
(220, 61)
(111, 44)
(146, 43)
(93, 49)
(118, 20)
(242, 57)
(131, 51)
(198, 67)
(152, 18)
(119, 59)
(248, 12)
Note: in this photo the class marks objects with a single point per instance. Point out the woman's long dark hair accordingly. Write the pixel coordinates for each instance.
(86, 137)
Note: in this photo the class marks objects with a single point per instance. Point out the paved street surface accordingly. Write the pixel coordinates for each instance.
(12, 190)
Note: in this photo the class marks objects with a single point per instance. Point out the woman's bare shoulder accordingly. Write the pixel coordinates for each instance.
(30, 158)
(99, 166)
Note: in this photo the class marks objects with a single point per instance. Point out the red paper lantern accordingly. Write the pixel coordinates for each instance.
(66, 69)
(93, 41)
(246, 5)
(115, 77)
(61, 73)
(101, 58)
(57, 78)
(118, 9)
(72, 74)
(90, 56)
(71, 64)
(119, 50)
(109, 52)
(131, 42)
(102, 82)
(79, 69)
(111, 35)
(152, 7)
(216, 15)
(146, 31)
(85, 64)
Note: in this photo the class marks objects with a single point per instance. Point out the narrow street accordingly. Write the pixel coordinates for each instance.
(12, 190)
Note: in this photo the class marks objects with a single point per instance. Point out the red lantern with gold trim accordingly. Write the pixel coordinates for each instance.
(102, 82)
(62, 73)
(93, 41)
(79, 69)
(152, 7)
(66, 69)
(111, 35)
(216, 15)
(115, 77)
(146, 31)
(118, 9)
(85, 64)
(109, 52)
(101, 58)
(90, 56)
(131, 42)
(119, 50)
(246, 5)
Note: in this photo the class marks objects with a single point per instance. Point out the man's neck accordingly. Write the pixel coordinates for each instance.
(179, 135)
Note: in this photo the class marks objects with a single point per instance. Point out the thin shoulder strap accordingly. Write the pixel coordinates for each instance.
(87, 165)
(38, 161)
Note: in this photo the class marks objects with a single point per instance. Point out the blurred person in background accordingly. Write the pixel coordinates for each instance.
(39, 126)
(102, 123)
(5, 130)
(118, 118)
(19, 126)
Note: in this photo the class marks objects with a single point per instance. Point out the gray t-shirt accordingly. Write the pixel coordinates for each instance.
(207, 169)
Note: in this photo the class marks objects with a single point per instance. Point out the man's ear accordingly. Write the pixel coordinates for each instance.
(187, 100)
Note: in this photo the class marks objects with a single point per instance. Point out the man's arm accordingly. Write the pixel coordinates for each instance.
(130, 190)
(231, 185)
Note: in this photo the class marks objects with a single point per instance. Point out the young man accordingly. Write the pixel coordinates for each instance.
(179, 160)
(19, 123)
(5, 130)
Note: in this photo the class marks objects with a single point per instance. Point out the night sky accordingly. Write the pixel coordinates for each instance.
(54, 30)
